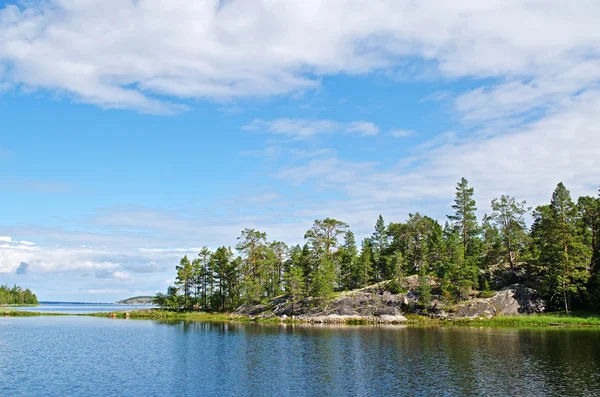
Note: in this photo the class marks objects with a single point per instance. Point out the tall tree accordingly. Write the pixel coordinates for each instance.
(508, 216)
(365, 263)
(279, 251)
(589, 214)
(494, 250)
(323, 235)
(185, 279)
(226, 273)
(294, 284)
(347, 257)
(418, 230)
(379, 244)
(464, 217)
(561, 251)
(255, 273)
(206, 275)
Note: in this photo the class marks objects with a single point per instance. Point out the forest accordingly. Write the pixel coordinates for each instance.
(558, 255)
(16, 296)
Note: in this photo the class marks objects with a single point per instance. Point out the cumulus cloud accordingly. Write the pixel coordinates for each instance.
(89, 51)
(530, 112)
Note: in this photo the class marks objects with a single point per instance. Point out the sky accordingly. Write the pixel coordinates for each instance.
(133, 132)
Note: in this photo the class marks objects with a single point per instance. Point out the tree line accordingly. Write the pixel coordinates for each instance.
(559, 256)
(16, 296)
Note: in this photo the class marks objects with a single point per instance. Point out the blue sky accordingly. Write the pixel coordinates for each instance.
(132, 133)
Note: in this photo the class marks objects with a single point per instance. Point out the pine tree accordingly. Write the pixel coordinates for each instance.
(185, 278)
(323, 235)
(324, 279)
(255, 272)
(226, 274)
(464, 217)
(379, 244)
(347, 257)
(365, 263)
(424, 288)
(561, 250)
(279, 251)
(206, 275)
(508, 216)
(294, 284)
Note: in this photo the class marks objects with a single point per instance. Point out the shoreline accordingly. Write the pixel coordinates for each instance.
(508, 321)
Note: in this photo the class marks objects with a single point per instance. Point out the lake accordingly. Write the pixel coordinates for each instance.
(87, 356)
(80, 308)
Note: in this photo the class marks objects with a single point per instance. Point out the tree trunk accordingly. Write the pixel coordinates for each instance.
(566, 301)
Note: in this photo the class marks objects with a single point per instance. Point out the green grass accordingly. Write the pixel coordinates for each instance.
(7, 311)
(170, 315)
(533, 320)
(18, 305)
(537, 320)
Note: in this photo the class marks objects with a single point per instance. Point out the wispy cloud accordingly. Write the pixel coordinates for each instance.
(306, 128)
(401, 133)
(363, 128)
(105, 291)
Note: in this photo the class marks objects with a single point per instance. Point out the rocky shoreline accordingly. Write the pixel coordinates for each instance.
(375, 304)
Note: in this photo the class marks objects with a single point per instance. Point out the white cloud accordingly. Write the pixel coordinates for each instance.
(535, 105)
(306, 128)
(270, 152)
(106, 291)
(131, 54)
(304, 154)
(401, 133)
(297, 128)
(26, 242)
(526, 162)
(161, 250)
(363, 128)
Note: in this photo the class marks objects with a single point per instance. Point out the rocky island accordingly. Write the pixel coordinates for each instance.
(136, 300)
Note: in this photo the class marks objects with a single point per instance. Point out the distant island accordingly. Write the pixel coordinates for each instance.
(136, 300)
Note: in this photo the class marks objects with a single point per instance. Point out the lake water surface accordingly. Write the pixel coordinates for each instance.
(86, 356)
(80, 308)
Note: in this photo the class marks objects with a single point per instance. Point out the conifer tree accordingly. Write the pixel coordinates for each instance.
(561, 250)
(365, 263)
(379, 244)
(464, 217)
(347, 257)
(185, 278)
(508, 216)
